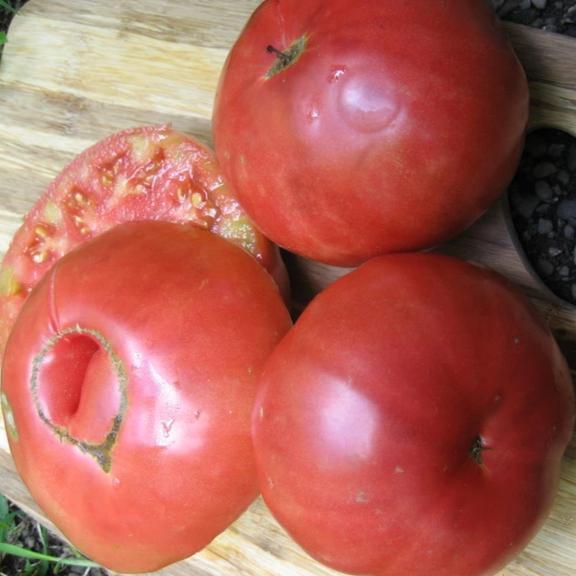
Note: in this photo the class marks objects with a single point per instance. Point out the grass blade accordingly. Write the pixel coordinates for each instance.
(23, 553)
(7, 6)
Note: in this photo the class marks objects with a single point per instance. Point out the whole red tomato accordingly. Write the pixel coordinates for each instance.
(350, 129)
(128, 384)
(413, 421)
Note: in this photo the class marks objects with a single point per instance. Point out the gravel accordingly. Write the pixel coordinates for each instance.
(543, 208)
(552, 15)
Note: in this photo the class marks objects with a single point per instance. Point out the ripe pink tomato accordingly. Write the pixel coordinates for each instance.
(128, 384)
(413, 421)
(350, 129)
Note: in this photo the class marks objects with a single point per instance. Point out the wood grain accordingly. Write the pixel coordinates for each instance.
(73, 72)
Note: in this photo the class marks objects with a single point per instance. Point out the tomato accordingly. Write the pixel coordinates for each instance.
(351, 130)
(147, 173)
(413, 421)
(128, 384)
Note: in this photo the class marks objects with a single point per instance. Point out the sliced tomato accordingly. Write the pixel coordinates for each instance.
(146, 173)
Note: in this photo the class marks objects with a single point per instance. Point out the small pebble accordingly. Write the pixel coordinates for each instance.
(540, 4)
(545, 267)
(545, 226)
(507, 7)
(544, 191)
(567, 209)
(543, 170)
(569, 232)
(563, 177)
(554, 251)
(564, 271)
(570, 15)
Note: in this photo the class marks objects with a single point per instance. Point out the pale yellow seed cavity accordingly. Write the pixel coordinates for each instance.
(143, 149)
(52, 213)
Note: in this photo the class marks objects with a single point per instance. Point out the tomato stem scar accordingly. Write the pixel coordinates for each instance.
(282, 56)
(476, 450)
(101, 452)
(285, 58)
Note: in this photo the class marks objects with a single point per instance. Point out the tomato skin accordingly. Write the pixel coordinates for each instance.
(395, 128)
(190, 318)
(368, 422)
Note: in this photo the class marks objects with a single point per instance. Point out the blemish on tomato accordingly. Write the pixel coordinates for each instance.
(361, 497)
(9, 418)
(365, 106)
(167, 427)
(102, 451)
(9, 285)
(52, 213)
(398, 470)
(336, 73)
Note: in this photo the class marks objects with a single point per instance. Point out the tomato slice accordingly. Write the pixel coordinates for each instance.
(146, 173)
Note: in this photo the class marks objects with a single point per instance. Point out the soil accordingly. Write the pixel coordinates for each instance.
(552, 15)
(543, 208)
(542, 204)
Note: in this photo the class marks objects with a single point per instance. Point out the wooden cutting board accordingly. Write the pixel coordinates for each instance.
(73, 72)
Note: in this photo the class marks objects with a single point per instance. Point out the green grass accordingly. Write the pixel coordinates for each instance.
(36, 563)
(7, 10)
(8, 6)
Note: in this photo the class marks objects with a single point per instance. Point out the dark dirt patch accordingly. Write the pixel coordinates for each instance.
(543, 209)
(552, 15)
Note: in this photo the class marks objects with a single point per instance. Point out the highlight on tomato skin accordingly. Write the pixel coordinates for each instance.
(413, 421)
(145, 173)
(128, 384)
(352, 132)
